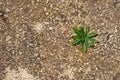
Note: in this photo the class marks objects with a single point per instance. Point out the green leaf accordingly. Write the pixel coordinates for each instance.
(94, 40)
(81, 30)
(91, 42)
(76, 31)
(87, 30)
(82, 36)
(75, 42)
(82, 33)
(91, 35)
(75, 37)
(84, 47)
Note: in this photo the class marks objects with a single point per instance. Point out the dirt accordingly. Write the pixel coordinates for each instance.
(35, 39)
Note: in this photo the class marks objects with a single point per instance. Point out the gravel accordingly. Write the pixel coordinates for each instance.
(36, 35)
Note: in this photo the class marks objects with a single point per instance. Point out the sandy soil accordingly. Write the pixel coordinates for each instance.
(35, 40)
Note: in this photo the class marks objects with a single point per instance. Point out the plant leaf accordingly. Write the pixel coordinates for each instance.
(82, 33)
(91, 35)
(91, 42)
(75, 37)
(82, 36)
(87, 30)
(94, 40)
(81, 30)
(75, 42)
(76, 31)
(84, 47)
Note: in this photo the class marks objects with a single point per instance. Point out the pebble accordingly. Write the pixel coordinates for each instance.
(51, 28)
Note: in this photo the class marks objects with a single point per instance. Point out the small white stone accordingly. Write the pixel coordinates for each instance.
(115, 30)
(7, 10)
(20, 53)
(51, 28)
(0, 3)
(38, 27)
(35, 54)
(97, 79)
(77, 50)
(46, 22)
(38, 0)
(8, 38)
(1, 13)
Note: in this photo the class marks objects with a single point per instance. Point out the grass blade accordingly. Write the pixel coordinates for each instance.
(92, 35)
(84, 47)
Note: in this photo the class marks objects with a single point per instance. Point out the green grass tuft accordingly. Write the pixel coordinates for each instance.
(82, 36)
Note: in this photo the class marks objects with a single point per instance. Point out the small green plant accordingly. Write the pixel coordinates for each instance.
(84, 37)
